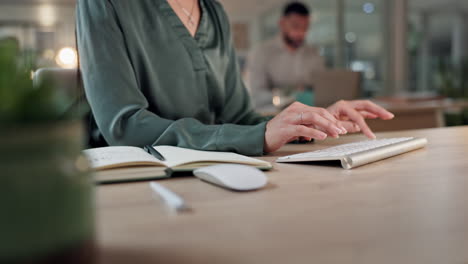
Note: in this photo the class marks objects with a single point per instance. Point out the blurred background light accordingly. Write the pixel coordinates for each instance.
(350, 37)
(358, 66)
(67, 58)
(368, 8)
(47, 15)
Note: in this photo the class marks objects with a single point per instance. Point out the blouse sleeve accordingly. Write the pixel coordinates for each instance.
(239, 108)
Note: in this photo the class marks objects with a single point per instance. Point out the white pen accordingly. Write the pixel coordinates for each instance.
(170, 198)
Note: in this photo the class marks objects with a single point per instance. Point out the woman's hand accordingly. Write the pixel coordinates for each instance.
(300, 121)
(352, 115)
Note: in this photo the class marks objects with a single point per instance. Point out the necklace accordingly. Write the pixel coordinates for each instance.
(189, 15)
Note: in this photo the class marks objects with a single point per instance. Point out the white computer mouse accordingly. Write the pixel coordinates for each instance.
(233, 176)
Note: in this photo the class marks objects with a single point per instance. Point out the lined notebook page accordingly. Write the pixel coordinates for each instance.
(108, 157)
(176, 156)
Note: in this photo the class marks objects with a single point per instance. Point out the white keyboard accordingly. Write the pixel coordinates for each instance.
(359, 153)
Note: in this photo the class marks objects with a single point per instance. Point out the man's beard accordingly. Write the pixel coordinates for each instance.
(292, 43)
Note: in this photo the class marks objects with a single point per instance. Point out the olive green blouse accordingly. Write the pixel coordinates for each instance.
(148, 81)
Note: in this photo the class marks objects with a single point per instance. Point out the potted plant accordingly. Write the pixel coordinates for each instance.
(45, 186)
(452, 82)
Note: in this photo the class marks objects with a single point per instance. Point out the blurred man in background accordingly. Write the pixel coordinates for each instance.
(282, 64)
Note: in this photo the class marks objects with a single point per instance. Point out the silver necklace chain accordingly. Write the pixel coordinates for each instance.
(189, 15)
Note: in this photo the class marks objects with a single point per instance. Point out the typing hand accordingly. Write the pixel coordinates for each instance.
(300, 121)
(352, 115)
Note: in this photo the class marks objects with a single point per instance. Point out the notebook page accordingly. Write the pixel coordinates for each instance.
(176, 156)
(109, 157)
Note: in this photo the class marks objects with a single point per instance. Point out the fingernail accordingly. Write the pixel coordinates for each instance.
(344, 130)
(323, 136)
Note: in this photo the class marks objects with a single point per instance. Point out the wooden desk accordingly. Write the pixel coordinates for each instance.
(416, 114)
(412, 208)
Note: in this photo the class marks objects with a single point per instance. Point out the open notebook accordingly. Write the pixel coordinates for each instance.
(123, 163)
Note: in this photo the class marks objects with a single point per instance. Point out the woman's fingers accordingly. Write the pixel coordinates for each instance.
(305, 131)
(300, 121)
(327, 115)
(350, 126)
(372, 108)
(357, 118)
(317, 119)
(368, 115)
(357, 111)
(306, 115)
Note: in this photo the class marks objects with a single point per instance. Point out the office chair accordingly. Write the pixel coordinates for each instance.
(69, 81)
